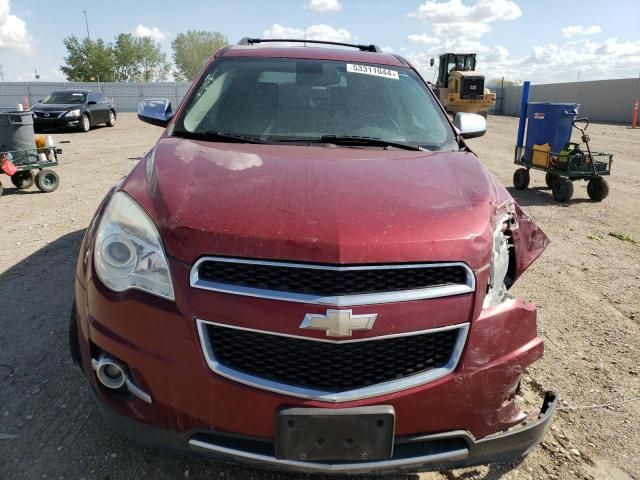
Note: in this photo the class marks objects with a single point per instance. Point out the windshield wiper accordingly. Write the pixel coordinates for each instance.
(216, 136)
(363, 141)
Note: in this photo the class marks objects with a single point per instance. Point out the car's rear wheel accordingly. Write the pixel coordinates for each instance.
(112, 119)
(85, 123)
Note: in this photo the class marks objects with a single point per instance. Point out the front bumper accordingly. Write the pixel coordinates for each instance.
(441, 451)
(61, 122)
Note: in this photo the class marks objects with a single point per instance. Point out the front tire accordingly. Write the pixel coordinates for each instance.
(112, 119)
(85, 123)
(597, 189)
(562, 190)
(47, 181)
(521, 179)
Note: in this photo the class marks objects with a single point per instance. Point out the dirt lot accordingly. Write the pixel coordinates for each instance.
(587, 286)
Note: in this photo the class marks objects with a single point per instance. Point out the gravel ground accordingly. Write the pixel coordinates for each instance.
(587, 286)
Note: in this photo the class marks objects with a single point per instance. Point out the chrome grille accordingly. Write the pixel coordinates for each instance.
(341, 285)
(331, 370)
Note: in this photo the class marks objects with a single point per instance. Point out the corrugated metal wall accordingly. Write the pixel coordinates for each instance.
(600, 100)
(125, 95)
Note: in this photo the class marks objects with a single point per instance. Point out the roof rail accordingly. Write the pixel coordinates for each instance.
(363, 48)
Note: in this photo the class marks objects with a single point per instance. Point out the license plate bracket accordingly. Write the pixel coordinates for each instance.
(322, 434)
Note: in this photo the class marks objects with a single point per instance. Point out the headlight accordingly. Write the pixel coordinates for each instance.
(128, 252)
(73, 113)
(499, 262)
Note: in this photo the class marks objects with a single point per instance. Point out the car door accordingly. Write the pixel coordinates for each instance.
(103, 103)
(93, 108)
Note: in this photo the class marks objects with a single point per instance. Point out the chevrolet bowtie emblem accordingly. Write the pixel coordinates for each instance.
(338, 323)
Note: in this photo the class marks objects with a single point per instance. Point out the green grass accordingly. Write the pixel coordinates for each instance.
(624, 237)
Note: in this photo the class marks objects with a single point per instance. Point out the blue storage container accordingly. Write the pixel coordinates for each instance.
(549, 123)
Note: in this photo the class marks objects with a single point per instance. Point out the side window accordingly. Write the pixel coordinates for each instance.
(91, 97)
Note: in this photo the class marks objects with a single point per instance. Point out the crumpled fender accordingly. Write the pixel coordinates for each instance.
(529, 241)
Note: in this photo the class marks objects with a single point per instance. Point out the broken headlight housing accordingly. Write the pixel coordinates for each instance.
(500, 258)
(128, 253)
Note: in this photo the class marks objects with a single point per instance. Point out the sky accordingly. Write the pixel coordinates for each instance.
(543, 41)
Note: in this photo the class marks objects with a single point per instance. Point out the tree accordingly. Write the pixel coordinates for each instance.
(88, 60)
(153, 63)
(127, 59)
(497, 82)
(191, 50)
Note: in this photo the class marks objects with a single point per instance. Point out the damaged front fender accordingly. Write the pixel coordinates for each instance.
(529, 241)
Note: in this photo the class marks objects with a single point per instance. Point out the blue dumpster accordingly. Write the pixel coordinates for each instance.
(549, 123)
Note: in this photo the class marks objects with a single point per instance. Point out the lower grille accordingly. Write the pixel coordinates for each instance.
(331, 367)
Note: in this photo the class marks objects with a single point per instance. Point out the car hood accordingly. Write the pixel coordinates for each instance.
(53, 107)
(316, 204)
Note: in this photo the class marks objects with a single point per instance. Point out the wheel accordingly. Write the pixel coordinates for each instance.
(22, 179)
(562, 190)
(85, 123)
(1, 189)
(597, 189)
(549, 178)
(112, 119)
(521, 179)
(47, 181)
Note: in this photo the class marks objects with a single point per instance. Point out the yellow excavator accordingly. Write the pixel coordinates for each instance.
(459, 87)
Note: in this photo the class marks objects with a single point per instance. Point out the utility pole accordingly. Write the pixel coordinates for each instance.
(86, 22)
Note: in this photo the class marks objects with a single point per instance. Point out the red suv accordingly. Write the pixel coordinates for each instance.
(310, 272)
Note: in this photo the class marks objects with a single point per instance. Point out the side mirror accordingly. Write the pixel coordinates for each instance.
(156, 111)
(91, 102)
(470, 125)
(432, 62)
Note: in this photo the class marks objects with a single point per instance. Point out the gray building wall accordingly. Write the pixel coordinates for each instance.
(125, 95)
(600, 100)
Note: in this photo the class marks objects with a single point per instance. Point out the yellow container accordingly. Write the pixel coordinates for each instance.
(541, 155)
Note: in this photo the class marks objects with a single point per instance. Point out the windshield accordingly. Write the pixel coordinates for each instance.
(65, 97)
(275, 99)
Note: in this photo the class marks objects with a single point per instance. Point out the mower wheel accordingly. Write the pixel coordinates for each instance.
(562, 190)
(47, 181)
(597, 189)
(1, 189)
(22, 179)
(521, 179)
(549, 178)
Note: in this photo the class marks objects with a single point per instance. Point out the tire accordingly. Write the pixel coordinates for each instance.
(1, 189)
(521, 179)
(562, 190)
(549, 178)
(597, 189)
(22, 179)
(47, 181)
(112, 119)
(85, 123)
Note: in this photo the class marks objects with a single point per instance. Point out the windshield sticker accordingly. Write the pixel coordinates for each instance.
(371, 70)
